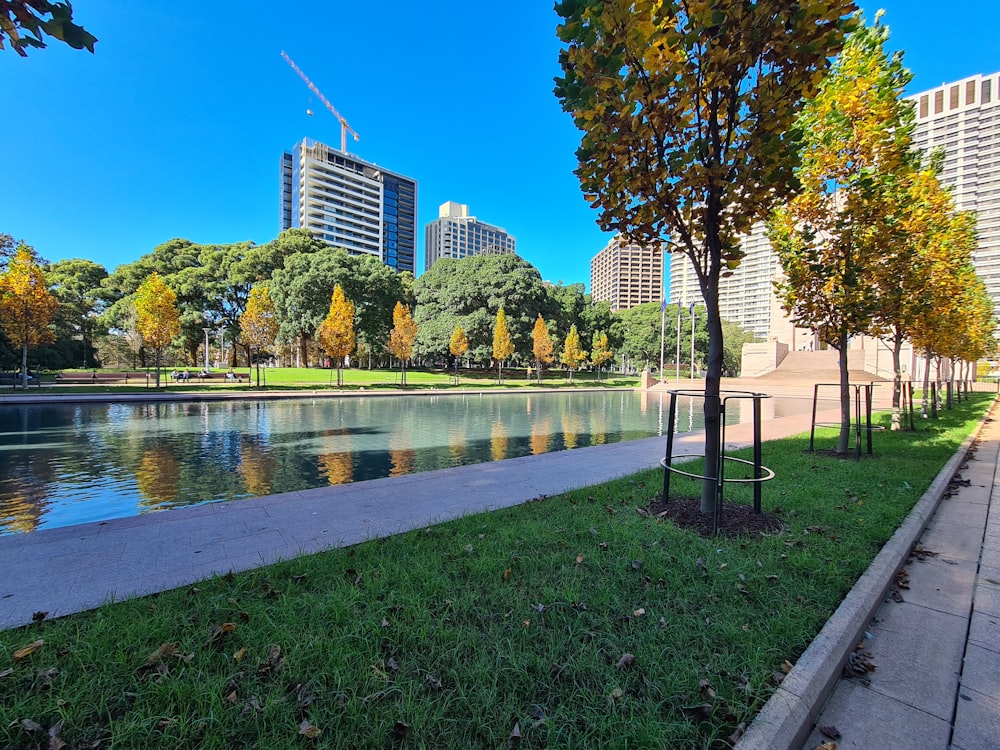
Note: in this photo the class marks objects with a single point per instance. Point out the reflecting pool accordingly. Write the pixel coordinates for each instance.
(63, 464)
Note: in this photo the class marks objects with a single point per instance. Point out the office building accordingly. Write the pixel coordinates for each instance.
(626, 274)
(746, 296)
(963, 119)
(455, 234)
(350, 203)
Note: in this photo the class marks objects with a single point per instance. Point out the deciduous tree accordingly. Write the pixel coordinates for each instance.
(258, 326)
(159, 319)
(503, 347)
(402, 336)
(458, 346)
(573, 355)
(26, 305)
(600, 352)
(686, 108)
(25, 23)
(541, 346)
(831, 238)
(336, 333)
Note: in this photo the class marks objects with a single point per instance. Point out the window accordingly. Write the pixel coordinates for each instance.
(939, 101)
(924, 101)
(953, 98)
(985, 98)
(970, 92)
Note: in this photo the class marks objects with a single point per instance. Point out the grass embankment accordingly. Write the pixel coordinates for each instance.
(303, 378)
(572, 621)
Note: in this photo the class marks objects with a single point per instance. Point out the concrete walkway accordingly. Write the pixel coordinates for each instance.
(935, 642)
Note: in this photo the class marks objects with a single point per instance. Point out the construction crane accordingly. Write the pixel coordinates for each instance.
(344, 127)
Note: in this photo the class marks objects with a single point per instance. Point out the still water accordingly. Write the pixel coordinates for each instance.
(63, 464)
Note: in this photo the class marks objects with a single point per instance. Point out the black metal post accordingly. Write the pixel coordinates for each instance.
(756, 453)
(812, 430)
(868, 414)
(671, 417)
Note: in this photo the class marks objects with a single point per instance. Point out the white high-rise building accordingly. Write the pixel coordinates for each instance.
(626, 274)
(745, 296)
(963, 119)
(455, 234)
(349, 203)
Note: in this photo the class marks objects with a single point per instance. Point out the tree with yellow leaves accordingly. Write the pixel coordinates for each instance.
(458, 346)
(541, 345)
(832, 237)
(159, 320)
(503, 345)
(402, 336)
(573, 354)
(686, 108)
(26, 305)
(600, 351)
(336, 333)
(258, 324)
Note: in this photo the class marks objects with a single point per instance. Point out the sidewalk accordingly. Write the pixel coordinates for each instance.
(935, 642)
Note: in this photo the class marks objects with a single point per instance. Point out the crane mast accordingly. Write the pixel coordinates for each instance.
(344, 127)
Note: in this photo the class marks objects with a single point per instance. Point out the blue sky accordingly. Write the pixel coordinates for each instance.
(174, 128)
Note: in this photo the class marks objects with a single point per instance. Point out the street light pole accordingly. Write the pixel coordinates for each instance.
(678, 365)
(663, 320)
(691, 310)
(206, 330)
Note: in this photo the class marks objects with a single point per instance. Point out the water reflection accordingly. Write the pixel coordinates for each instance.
(64, 464)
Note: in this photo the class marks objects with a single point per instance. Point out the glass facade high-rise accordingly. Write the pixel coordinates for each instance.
(455, 234)
(349, 203)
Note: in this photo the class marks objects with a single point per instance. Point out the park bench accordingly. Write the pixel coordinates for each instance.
(100, 378)
(12, 379)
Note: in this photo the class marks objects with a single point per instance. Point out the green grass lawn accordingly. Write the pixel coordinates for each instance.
(302, 378)
(572, 621)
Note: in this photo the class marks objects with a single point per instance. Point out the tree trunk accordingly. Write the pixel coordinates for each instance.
(158, 368)
(897, 381)
(499, 372)
(927, 385)
(304, 350)
(713, 385)
(844, 440)
(24, 365)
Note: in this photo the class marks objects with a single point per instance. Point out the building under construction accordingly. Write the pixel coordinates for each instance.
(349, 203)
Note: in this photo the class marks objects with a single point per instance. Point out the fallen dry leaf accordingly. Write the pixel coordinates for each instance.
(275, 661)
(701, 712)
(238, 656)
(6, 672)
(218, 632)
(385, 623)
(38, 616)
(579, 559)
(309, 730)
(26, 651)
(830, 731)
(30, 726)
(506, 574)
(400, 730)
(55, 741)
(639, 612)
(625, 661)
(705, 688)
(232, 697)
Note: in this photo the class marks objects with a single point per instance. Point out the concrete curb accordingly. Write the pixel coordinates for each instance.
(787, 718)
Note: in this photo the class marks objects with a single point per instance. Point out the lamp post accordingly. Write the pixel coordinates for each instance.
(207, 331)
(691, 311)
(678, 365)
(663, 319)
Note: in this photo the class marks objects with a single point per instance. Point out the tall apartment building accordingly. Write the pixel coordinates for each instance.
(626, 274)
(350, 203)
(963, 119)
(746, 296)
(455, 234)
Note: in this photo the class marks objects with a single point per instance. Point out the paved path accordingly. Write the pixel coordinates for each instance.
(936, 644)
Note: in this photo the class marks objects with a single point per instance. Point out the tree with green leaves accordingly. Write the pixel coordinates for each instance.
(457, 347)
(468, 292)
(76, 284)
(336, 333)
(258, 326)
(541, 346)
(159, 319)
(402, 336)
(833, 236)
(686, 108)
(26, 305)
(503, 346)
(573, 354)
(600, 352)
(26, 23)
